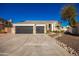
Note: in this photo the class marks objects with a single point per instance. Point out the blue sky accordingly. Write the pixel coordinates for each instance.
(33, 11)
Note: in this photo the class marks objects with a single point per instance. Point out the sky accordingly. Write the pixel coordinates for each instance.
(20, 12)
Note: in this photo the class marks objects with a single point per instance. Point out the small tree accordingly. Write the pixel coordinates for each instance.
(8, 24)
(2, 20)
(69, 13)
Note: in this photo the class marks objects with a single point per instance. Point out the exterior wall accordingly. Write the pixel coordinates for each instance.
(1, 26)
(54, 27)
(45, 30)
(13, 30)
(23, 24)
(75, 30)
(47, 25)
(34, 27)
(40, 24)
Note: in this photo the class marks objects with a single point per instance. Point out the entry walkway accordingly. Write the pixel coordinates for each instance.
(30, 45)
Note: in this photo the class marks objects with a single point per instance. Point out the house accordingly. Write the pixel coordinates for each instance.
(5, 25)
(34, 27)
(1, 27)
(1, 24)
(75, 29)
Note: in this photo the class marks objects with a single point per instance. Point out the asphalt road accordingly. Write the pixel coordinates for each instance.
(30, 45)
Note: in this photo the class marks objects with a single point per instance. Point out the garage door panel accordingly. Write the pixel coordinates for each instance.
(24, 29)
(39, 29)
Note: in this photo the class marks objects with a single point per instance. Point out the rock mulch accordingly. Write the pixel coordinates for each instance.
(70, 43)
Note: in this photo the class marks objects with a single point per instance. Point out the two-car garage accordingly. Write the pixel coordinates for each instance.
(24, 29)
(30, 28)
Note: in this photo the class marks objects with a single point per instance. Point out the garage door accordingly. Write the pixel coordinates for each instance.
(24, 29)
(39, 29)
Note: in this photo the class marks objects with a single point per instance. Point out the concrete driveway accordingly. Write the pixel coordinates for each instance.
(30, 45)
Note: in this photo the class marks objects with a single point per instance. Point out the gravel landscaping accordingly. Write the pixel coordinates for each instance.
(71, 42)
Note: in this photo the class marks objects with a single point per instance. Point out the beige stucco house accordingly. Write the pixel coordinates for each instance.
(34, 27)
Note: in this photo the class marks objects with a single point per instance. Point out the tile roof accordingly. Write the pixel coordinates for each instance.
(36, 22)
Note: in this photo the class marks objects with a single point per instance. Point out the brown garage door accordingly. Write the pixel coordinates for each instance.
(24, 29)
(39, 29)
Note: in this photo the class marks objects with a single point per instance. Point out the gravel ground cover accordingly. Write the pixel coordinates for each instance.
(71, 41)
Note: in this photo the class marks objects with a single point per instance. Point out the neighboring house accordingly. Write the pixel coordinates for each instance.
(1, 26)
(34, 27)
(75, 29)
(5, 26)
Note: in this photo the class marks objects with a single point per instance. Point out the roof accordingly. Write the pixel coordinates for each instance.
(37, 22)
